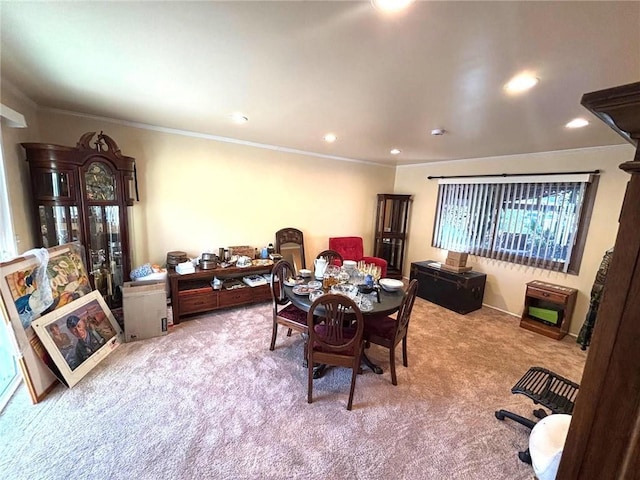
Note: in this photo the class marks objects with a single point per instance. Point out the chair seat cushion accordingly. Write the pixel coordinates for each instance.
(294, 314)
(380, 326)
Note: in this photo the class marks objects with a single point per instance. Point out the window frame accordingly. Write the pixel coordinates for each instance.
(572, 262)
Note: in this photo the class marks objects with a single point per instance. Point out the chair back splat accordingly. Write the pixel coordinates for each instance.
(332, 257)
(290, 244)
(336, 329)
(283, 312)
(404, 314)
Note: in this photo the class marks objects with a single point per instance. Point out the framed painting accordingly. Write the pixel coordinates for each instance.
(79, 335)
(30, 289)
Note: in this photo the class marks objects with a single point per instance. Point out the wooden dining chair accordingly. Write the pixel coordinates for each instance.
(284, 313)
(335, 337)
(388, 331)
(331, 256)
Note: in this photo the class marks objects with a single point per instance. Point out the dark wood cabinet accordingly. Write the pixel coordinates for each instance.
(604, 435)
(548, 309)
(82, 194)
(391, 231)
(192, 293)
(460, 292)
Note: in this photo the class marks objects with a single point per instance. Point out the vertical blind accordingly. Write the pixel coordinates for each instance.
(528, 220)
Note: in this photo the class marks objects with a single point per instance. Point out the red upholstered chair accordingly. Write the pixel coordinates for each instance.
(351, 248)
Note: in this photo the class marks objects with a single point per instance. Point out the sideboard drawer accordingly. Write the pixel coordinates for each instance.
(237, 296)
(546, 295)
(198, 300)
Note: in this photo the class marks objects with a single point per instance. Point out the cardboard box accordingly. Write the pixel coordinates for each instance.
(144, 305)
(456, 259)
(451, 268)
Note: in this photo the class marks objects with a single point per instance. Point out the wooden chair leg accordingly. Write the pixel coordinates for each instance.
(274, 334)
(310, 381)
(354, 374)
(392, 364)
(404, 351)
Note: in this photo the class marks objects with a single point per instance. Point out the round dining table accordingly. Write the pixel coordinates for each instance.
(383, 302)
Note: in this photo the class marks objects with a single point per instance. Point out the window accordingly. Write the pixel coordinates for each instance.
(9, 378)
(539, 221)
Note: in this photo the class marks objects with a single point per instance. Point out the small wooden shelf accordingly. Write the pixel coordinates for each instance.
(551, 297)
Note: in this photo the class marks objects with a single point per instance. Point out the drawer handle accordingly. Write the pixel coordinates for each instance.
(545, 294)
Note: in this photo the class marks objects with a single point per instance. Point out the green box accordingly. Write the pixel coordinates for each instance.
(546, 314)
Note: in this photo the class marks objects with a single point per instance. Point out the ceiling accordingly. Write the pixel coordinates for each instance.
(301, 69)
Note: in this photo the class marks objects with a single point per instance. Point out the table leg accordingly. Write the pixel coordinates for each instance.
(318, 370)
(375, 368)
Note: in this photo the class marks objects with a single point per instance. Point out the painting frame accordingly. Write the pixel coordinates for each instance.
(68, 278)
(88, 318)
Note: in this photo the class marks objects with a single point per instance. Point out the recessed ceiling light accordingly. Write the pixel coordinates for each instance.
(438, 131)
(577, 123)
(330, 137)
(391, 5)
(239, 118)
(521, 83)
(394, 151)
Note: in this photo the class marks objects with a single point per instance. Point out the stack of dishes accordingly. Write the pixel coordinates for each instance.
(391, 284)
(176, 257)
(208, 261)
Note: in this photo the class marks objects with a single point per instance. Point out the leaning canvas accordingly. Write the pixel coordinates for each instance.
(79, 335)
(25, 299)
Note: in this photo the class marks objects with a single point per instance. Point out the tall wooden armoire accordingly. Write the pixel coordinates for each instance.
(604, 436)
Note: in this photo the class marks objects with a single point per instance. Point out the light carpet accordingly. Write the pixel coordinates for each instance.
(210, 400)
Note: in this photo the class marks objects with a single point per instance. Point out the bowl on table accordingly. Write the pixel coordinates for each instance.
(391, 284)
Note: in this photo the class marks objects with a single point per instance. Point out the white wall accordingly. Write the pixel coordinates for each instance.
(17, 169)
(505, 281)
(198, 194)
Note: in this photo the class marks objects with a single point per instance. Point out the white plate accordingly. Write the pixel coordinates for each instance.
(291, 282)
(391, 284)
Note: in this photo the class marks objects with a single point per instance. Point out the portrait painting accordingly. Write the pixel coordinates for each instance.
(79, 335)
(32, 285)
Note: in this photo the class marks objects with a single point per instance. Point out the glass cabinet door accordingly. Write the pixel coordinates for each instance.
(58, 224)
(391, 231)
(105, 248)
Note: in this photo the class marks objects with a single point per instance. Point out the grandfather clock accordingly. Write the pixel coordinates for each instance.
(82, 194)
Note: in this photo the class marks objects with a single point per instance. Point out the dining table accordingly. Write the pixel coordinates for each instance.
(383, 303)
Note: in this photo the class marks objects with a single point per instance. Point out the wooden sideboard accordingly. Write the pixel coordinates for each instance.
(192, 292)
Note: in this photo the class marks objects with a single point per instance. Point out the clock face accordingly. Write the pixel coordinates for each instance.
(99, 182)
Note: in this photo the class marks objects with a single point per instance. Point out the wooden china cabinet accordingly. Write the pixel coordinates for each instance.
(391, 231)
(81, 194)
